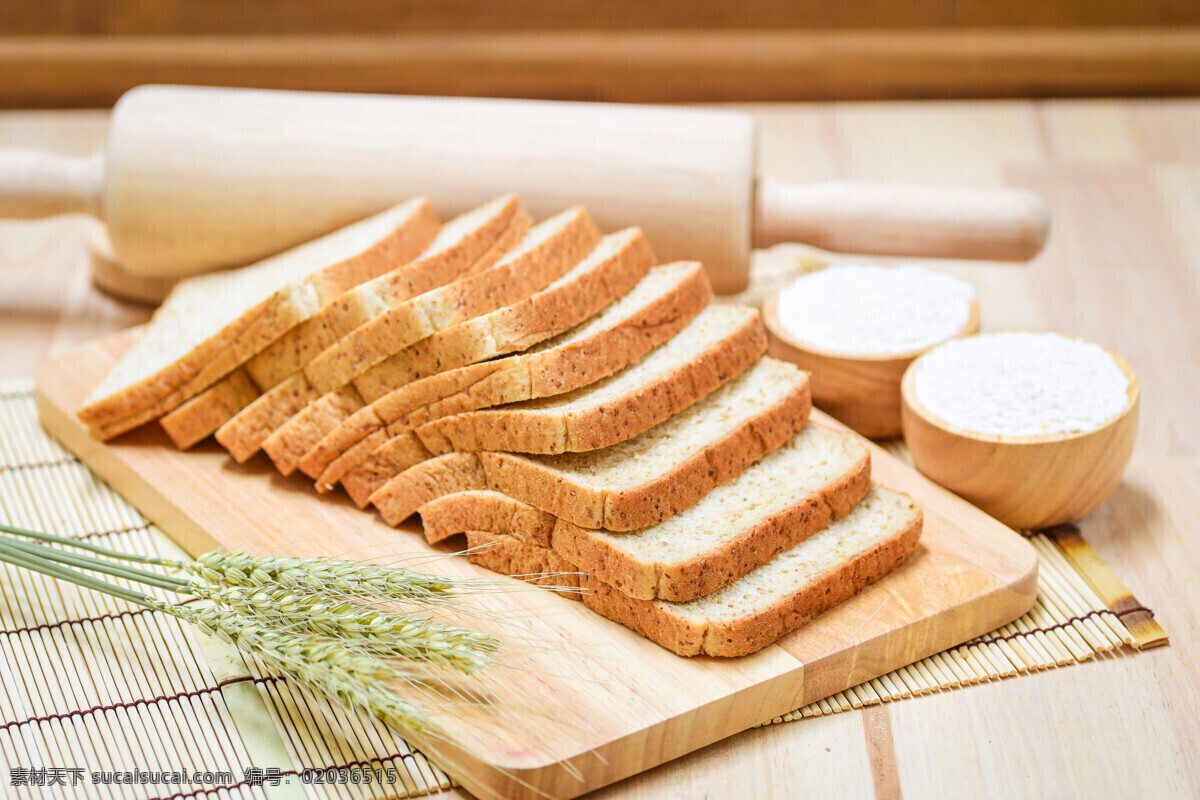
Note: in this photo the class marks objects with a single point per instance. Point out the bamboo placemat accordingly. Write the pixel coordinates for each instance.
(96, 685)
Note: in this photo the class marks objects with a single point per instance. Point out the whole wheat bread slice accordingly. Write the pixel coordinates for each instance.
(661, 304)
(720, 344)
(211, 324)
(485, 510)
(539, 566)
(638, 482)
(609, 271)
(796, 586)
(792, 493)
(546, 252)
(467, 244)
(716, 346)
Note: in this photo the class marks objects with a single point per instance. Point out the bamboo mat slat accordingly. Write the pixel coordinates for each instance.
(97, 684)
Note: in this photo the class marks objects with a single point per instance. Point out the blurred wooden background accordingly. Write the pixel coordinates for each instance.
(87, 52)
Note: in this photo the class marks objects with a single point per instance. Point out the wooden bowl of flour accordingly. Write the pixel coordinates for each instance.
(861, 390)
(1027, 481)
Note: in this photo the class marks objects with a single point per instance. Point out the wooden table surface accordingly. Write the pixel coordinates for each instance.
(1122, 179)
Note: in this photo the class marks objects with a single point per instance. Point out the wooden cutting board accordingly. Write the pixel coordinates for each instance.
(582, 701)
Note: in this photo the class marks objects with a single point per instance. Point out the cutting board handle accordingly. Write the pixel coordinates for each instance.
(992, 224)
(34, 184)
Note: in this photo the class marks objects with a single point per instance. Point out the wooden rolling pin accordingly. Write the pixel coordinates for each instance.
(195, 179)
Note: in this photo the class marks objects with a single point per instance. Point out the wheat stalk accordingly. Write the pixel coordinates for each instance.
(295, 614)
(327, 576)
(370, 629)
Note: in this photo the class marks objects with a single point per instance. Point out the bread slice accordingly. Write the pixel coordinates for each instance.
(721, 343)
(546, 252)
(792, 493)
(211, 324)
(797, 585)
(467, 244)
(661, 304)
(540, 566)
(610, 271)
(485, 510)
(617, 263)
(717, 345)
(795, 491)
(638, 482)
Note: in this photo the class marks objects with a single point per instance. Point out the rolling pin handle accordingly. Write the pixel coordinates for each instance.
(35, 184)
(928, 222)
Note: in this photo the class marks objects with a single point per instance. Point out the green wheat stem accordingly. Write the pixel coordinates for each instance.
(325, 665)
(90, 563)
(81, 545)
(49, 568)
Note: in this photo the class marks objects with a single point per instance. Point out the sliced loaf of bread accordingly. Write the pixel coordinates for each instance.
(467, 244)
(547, 252)
(638, 482)
(550, 249)
(614, 267)
(211, 324)
(792, 493)
(608, 273)
(661, 304)
(797, 585)
(718, 345)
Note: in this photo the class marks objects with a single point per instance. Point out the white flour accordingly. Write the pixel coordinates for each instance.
(1021, 384)
(864, 309)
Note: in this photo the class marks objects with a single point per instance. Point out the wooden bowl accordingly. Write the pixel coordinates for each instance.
(861, 391)
(1026, 482)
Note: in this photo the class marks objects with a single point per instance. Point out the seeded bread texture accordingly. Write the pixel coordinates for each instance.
(657, 308)
(199, 417)
(380, 459)
(288, 443)
(485, 510)
(610, 270)
(211, 324)
(721, 343)
(547, 251)
(467, 244)
(792, 493)
(639, 482)
(617, 263)
(797, 585)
